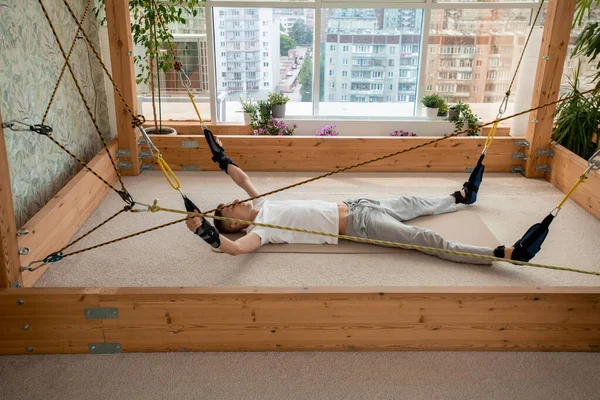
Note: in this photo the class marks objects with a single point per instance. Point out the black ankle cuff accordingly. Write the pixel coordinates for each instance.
(460, 199)
(499, 251)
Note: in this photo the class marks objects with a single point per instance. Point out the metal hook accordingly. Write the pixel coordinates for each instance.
(189, 81)
(11, 125)
(594, 165)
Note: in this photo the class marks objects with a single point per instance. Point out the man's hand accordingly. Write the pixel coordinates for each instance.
(193, 223)
(218, 151)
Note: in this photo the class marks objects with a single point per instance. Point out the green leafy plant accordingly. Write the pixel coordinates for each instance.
(433, 100)
(248, 106)
(581, 8)
(465, 116)
(277, 98)
(149, 28)
(286, 43)
(577, 120)
(588, 45)
(443, 110)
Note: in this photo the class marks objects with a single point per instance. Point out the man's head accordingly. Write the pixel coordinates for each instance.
(236, 210)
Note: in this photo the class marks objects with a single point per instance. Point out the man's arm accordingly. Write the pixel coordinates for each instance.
(242, 180)
(247, 244)
(228, 166)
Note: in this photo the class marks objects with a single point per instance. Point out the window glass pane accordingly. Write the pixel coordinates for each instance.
(375, 67)
(485, 1)
(192, 52)
(588, 69)
(472, 55)
(259, 51)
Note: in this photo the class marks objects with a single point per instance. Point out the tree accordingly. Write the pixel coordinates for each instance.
(301, 33)
(286, 43)
(305, 79)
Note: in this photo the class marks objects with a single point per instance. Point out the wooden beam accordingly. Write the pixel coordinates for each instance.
(553, 52)
(118, 20)
(193, 128)
(59, 220)
(9, 254)
(306, 153)
(567, 167)
(303, 319)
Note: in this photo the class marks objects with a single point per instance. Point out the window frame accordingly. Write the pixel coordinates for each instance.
(318, 5)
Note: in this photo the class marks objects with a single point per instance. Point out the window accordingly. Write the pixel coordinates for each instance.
(379, 46)
(344, 97)
(332, 85)
(332, 97)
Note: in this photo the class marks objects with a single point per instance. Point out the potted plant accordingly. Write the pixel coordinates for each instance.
(277, 101)
(149, 27)
(328, 130)
(274, 127)
(453, 113)
(443, 111)
(432, 103)
(577, 120)
(250, 111)
(464, 118)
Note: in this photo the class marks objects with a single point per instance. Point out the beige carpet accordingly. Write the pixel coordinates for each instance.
(303, 376)
(508, 204)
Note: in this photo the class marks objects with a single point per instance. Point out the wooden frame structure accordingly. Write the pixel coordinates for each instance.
(96, 320)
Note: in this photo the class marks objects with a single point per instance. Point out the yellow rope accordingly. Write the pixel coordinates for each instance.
(167, 172)
(579, 182)
(155, 208)
(491, 135)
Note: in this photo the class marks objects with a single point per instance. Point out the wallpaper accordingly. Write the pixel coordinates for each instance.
(30, 63)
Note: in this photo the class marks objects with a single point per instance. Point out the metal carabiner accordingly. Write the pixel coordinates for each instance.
(503, 107)
(594, 165)
(11, 125)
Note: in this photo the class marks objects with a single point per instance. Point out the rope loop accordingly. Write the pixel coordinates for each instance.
(126, 196)
(138, 120)
(42, 129)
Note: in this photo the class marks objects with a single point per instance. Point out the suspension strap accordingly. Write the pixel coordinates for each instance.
(490, 137)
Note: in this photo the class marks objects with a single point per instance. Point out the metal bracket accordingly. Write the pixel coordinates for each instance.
(517, 169)
(190, 168)
(545, 152)
(468, 170)
(146, 154)
(189, 144)
(522, 143)
(542, 167)
(147, 167)
(124, 165)
(142, 141)
(24, 251)
(123, 153)
(519, 156)
(22, 232)
(101, 313)
(16, 284)
(104, 348)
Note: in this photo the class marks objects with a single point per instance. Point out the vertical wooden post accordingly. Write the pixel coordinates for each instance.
(555, 42)
(118, 20)
(9, 253)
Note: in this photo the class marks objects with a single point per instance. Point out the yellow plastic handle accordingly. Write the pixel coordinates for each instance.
(168, 173)
(491, 135)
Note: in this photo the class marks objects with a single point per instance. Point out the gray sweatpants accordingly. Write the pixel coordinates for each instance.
(383, 220)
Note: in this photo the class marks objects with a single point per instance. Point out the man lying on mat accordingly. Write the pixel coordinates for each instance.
(364, 218)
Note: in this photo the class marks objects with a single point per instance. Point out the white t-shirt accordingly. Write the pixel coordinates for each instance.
(315, 215)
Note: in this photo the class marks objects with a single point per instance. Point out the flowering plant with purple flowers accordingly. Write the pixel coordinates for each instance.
(400, 132)
(274, 127)
(328, 130)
